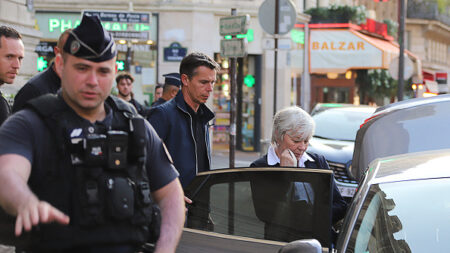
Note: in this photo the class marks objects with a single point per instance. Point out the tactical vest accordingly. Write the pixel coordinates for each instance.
(98, 178)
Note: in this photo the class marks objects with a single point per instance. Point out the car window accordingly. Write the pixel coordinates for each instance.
(279, 206)
(409, 216)
(405, 131)
(345, 123)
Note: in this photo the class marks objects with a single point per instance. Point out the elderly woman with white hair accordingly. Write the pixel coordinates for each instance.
(291, 131)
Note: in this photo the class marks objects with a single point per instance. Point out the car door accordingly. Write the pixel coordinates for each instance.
(257, 209)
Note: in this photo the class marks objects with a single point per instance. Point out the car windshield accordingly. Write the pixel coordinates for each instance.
(340, 124)
(408, 216)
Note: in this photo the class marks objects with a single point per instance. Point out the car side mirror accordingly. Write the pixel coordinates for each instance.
(302, 246)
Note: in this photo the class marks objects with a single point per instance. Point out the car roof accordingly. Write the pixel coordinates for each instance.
(410, 166)
(411, 103)
(320, 107)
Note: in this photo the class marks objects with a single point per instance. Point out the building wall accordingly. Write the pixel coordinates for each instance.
(195, 25)
(14, 13)
(430, 40)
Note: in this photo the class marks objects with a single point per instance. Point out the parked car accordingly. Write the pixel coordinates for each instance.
(336, 127)
(257, 209)
(401, 206)
(412, 125)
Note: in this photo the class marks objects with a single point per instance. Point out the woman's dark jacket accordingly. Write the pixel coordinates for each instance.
(339, 204)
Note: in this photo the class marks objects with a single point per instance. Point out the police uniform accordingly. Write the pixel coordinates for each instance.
(100, 174)
(170, 79)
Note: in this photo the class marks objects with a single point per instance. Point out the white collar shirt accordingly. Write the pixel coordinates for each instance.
(273, 159)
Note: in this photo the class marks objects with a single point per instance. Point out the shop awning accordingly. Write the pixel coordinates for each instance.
(338, 50)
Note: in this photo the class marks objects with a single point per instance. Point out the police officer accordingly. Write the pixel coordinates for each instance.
(81, 170)
(172, 84)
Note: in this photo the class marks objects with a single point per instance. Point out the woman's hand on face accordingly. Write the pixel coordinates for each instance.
(288, 159)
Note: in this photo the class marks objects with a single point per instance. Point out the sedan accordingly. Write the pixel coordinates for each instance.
(409, 126)
(401, 206)
(334, 138)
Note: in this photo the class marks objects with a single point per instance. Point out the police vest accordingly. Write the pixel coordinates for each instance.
(99, 178)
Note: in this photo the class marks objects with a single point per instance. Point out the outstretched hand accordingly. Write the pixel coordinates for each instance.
(34, 212)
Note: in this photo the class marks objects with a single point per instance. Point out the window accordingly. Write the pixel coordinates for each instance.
(280, 206)
(391, 220)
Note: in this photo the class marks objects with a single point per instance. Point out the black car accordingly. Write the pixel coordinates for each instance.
(412, 125)
(336, 127)
(257, 209)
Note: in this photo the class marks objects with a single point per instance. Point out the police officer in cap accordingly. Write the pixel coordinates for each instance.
(172, 85)
(80, 170)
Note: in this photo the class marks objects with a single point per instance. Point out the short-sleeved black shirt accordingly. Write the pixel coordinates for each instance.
(25, 134)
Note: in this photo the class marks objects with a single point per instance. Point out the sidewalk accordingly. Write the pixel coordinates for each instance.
(221, 159)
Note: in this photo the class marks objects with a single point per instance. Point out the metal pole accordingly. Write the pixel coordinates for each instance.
(306, 80)
(232, 73)
(401, 42)
(275, 64)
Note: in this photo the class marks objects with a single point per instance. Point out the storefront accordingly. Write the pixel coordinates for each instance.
(248, 106)
(136, 43)
(338, 50)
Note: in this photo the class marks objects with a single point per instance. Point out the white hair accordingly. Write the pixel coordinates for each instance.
(293, 121)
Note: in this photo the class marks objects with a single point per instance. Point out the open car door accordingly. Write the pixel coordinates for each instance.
(257, 209)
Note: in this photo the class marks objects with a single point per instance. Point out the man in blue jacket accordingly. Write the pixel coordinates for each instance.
(182, 123)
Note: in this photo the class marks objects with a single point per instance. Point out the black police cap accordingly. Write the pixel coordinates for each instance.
(91, 41)
(173, 79)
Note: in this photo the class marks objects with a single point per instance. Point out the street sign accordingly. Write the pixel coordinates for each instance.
(408, 68)
(175, 52)
(233, 48)
(287, 16)
(234, 25)
(120, 16)
(128, 35)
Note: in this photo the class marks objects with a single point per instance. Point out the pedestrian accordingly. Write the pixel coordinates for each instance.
(291, 131)
(158, 93)
(182, 123)
(45, 82)
(11, 54)
(124, 83)
(172, 84)
(82, 167)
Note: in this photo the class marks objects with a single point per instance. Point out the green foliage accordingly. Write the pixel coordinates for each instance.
(377, 84)
(392, 27)
(338, 14)
(443, 6)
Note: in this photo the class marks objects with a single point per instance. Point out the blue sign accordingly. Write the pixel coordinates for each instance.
(174, 52)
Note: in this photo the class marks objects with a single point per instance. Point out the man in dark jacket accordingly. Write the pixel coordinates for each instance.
(11, 55)
(172, 85)
(42, 83)
(182, 123)
(125, 86)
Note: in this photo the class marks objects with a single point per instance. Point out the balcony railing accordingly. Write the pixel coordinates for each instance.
(422, 9)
